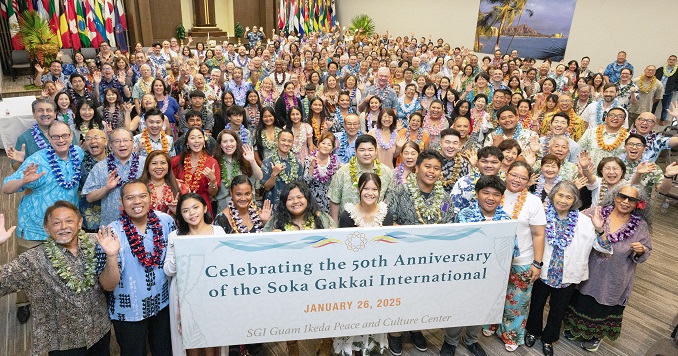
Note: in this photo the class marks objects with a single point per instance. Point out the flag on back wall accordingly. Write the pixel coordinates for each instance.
(82, 23)
(94, 37)
(13, 20)
(64, 32)
(99, 19)
(109, 17)
(120, 27)
(71, 17)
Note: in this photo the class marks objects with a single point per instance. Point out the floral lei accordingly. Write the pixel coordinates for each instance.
(516, 133)
(237, 223)
(604, 187)
(559, 233)
(308, 225)
(625, 89)
(35, 132)
(242, 131)
(287, 103)
(398, 173)
(160, 204)
(353, 170)
(520, 202)
(621, 234)
(384, 145)
(433, 131)
(332, 167)
(61, 267)
(252, 115)
(343, 144)
(359, 222)
(369, 123)
(191, 179)
(431, 210)
(58, 173)
(134, 168)
(420, 136)
(226, 174)
(268, 144)
(499, 214)
(599, 109)
(294, 168)
(621, 136)
(454, 174)
(671, 73)
(340, 117)
(317, 130)
(147, 141)
(641, 85)
(407, 109)
(299, 139)
(113, 121)
(136, 242)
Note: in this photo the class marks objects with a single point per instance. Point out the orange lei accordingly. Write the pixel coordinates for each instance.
(621, 136)
(147, 141)
(317, 131)
(191, 180)
(160, 204)
(520, 201)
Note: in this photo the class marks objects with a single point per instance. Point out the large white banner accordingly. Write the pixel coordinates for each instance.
(249, 288)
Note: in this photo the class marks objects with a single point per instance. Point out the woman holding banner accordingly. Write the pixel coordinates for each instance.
(369, 212)
(241, 215)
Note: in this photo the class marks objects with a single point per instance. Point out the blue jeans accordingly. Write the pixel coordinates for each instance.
(666, 102)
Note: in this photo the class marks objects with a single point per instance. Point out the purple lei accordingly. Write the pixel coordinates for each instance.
(287, 104)
(540, 186)
(624, 233)
(35, 131)
(332, 166)
(54, 165)
(132, 171)
(399, 173)
(560, 233)
(242, 132)
(384, 145)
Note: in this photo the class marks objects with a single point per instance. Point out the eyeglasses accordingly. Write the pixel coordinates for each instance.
(635, 145)
(623, 197)
(119, 141)
(522, 179)
(643, 120)
(616, 116)
(59, 137)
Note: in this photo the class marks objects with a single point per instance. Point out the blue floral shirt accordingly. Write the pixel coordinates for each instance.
(142, 292)
(344, 152)
(463, 193)
(110, 203)
(274, 194)
(472, 214)
(45, 191)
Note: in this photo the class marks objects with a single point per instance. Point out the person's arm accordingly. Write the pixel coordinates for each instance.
(109, 278)
(249, 155)
(538, 249)
(30, 174)
(98, 194)
(667, 182)
(38, 75)
(334, 212)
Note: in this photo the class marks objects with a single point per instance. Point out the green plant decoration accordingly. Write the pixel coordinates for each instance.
(36, 36)
(239, 30)
(362, 26)
(181, 32)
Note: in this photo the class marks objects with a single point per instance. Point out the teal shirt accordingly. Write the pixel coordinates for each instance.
(31, 146)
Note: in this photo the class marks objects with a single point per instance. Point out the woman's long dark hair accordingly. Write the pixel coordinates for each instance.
(96, 119)
(182, 225)
(259, 145)
(309, 116)
(186, 149)
(245, 166)
(282, 216)
(170, 180)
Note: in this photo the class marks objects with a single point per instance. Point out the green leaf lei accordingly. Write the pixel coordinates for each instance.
(353, 170)
(429, 211)
(294, 167)
(226, 175)
(56, 256)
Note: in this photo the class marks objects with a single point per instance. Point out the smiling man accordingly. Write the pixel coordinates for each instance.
(489, 162)
(454, 166)
(153, 137)
(606, 140)
(648, 175)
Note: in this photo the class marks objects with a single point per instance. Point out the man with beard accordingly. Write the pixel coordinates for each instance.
(595, 113)
(69, 306)
(139, 307)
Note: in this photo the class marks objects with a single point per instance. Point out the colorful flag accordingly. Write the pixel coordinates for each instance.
(290, 21)
(307, 26)
(123, 18)
(64, 34)
(13, 19)
(120, 29)
(316, 14)
(3, 8)
(300, 17)
(94, 37)
(333, 12)
(109, 15)
(71, 17)
(99, 19)
(281, 14)
(82, 24)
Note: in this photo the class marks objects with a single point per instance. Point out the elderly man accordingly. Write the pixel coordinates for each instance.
(238, 86)
(576, 126)
(55, 75)
(650, 92)
(143, 86)
(107, 176)
(279, 76)
(107, 79)
(558, 128)
(51, 174)
(381, 89)
(139, 290)
(612, 72)
(606, 139)
(139, 60)
(69, 304)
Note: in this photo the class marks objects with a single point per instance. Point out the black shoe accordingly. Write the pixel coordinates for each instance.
(476, 350)
(447, 349)
(547, 348)
(568, 335)
(395, 345)
(23, 313)
(529, 339)
(419, 341)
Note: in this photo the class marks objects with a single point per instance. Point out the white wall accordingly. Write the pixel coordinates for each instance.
(600, 28)
(223, 10)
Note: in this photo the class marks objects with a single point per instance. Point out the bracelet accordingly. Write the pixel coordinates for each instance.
(538, 265)
(669, 177)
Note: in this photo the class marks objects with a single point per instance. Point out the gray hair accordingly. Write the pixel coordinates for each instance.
(43, 101)
(645, 214)
(569, 187)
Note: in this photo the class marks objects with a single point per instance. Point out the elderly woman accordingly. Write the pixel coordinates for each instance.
(597, 306)
(569, 238)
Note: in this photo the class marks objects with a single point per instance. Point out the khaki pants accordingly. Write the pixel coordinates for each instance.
(23, 245)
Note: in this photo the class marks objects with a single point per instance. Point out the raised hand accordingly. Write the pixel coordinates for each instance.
(645, 167)
(127, 107)
(44, 93)
(210, 174)
(121, 77)
(39, 68)
(534, 179)
(59, 86)
(581, 182)
(172, 205)
(31, 173)
(108, 240)
(584, 159)
(497, 139)
(671, 169)
(17, 155)
(112, 180)
(535, 145)
(7, 233)
(277, 168)
(530, 157)
(97, 77)
(471, 156)
(266, 210)
(673, 110)
(597, 220)
(469, 87)
(247, 153)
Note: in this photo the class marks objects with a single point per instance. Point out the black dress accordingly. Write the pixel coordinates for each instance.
(345, 219)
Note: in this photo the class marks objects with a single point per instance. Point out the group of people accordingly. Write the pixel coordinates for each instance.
(330, 131)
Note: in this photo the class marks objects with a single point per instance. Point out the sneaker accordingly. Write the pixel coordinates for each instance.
(447, 349)
(419, 340)
(547, 349)
(476, 349)
(395, 345)
(591, 345)
(530, 339)
(568, 335)
(23, 313)
(510, 347)
(488, 332)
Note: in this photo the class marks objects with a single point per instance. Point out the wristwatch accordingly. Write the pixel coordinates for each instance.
(537, 264)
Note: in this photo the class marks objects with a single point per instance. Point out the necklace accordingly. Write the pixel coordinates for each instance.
(621, 136)
(353, 170)
(604, 187)
(279, 82)
(308, 225)
(113, 121)
(242, 131)
(486, 91)
(287, 102)
(499, 214)
(134, 168)
(56, 169)
(299, 138)
(294, 168)
(386, 146)
(237, 223)
(432, 209)
(317, 130)
(332, 167)
(407, 109)
(451, 177)
(227, 175)
(360, 222)
(600, 110)
(39, 140)
(398, 174)
(147, 141)
(136, 242)
(624, 233)
(370, 123)
(516, 132)
(559, 232)
(343, 144)
(340, 116)
(160, 203)
(518, 207)
(270, 144)
(643, 88)
(433, 130)
(671, 73)
(623, 90)
(191, 179)
(61, 267)
(252, 115)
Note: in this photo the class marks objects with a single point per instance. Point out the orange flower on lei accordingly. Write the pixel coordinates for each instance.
(621, 136)
(191, 179)
(147, 141)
